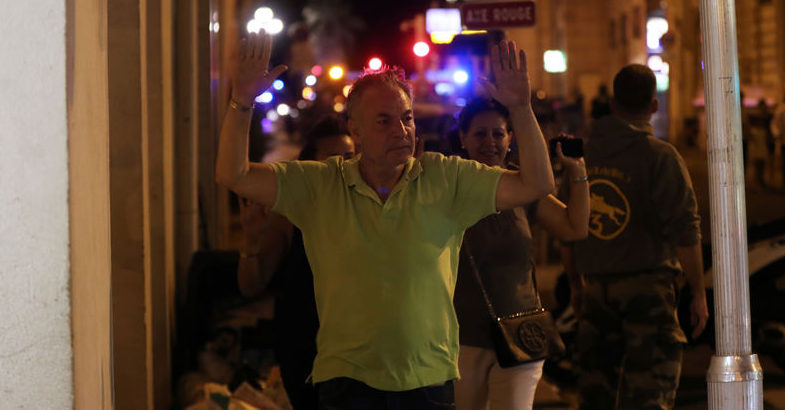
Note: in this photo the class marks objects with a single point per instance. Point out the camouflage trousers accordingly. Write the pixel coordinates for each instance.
(629, 343)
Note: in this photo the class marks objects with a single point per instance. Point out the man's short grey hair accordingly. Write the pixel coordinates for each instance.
(388, 76)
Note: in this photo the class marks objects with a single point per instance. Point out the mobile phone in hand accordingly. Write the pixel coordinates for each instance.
(571, 147)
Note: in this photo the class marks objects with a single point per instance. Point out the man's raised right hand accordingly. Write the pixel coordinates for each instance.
(251, 76)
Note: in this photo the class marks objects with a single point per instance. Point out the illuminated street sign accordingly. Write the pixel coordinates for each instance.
(443, 21)
(479, 16)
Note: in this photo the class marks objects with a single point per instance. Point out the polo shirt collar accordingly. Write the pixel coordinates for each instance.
(353, 179)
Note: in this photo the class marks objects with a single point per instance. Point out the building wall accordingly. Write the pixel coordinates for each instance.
(601, 36)
(684, 57)
(589, 47)
(35, 337)
(758, 41)
(598, 37)
(88, 196)
(141, 185)
(761, 58)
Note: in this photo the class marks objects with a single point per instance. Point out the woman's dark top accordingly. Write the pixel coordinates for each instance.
(502, 246)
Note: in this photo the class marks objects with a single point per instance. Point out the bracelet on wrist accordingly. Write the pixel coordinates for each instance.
(240, 107)
(584, 178)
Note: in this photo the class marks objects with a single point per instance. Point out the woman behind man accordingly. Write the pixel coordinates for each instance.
(501, 247)
(272, 246)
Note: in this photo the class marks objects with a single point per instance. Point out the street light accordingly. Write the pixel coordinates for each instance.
(309, 94)
(264, 97)
(275, 26)
(554, 61)
(444, 88)
(282, 109)
(336, 72)
(655, 28)
(263, 14)
(264, 19)
(460, 77)
(421, 49)
(253, 26)
(375, 63)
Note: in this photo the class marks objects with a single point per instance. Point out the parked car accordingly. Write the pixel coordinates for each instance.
(766, 260)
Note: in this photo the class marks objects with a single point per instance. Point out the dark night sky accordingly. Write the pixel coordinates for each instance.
(381, 37)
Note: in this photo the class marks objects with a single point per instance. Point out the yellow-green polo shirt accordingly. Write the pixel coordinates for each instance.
(384, 273)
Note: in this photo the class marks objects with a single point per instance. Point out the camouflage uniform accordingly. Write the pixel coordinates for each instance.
(642, 207)
(630, 343)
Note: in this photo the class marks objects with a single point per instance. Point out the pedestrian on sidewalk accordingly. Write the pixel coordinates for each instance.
(644, 231)
(601, 103)
(501, 248)
(382, 231)
(761, 141)
(778, 130)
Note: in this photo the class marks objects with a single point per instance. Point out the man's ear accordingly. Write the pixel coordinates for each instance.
(655, 105)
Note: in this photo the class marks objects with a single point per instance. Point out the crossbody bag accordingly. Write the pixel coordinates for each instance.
(522, 337)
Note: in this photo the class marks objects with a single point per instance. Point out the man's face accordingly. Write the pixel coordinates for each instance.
(384, 126)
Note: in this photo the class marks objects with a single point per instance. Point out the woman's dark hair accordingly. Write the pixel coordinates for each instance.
(325, 128)
(478, 106)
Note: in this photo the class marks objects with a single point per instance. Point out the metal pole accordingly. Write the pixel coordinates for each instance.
(735, 378)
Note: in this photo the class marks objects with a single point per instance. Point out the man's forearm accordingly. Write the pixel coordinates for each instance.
(691, 260)
(578, 203)
(232, 162)
(535, 165)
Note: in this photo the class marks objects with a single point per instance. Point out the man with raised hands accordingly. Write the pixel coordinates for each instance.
(382, 231)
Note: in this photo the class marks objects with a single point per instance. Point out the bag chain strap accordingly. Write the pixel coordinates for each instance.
(465, 248)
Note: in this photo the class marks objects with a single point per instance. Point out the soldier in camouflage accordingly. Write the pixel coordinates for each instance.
(644, 233)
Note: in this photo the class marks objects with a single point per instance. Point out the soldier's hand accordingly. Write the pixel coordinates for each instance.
(699, 313)
(576, 294)
(511, 76)
(575, 302)
(251, 76)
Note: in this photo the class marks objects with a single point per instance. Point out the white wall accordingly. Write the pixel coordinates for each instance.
(35, 337)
